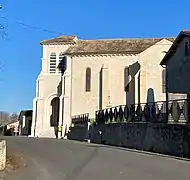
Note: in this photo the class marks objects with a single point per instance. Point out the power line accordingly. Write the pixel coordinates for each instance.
(55, 32)
(38, 28)
(23, 24)
(33, 27)
(27, 25)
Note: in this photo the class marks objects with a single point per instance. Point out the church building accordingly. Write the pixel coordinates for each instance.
(82, 76)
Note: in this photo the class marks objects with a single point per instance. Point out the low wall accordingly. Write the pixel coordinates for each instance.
(79, 132)
(172, 139)
(2, 155)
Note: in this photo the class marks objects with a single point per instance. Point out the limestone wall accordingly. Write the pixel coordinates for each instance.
(172, 139)
(2, 155)
(104, 92)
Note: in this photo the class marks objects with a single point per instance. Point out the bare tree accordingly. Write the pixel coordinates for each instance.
(13, 117)
(4, 117)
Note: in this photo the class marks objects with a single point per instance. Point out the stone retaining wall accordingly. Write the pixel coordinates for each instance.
(79, 132)
(2, 155)
(172, 139)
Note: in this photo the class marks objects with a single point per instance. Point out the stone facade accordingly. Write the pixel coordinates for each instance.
(171, 139)
(107, 79)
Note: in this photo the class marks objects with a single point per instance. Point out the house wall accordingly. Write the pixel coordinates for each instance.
(178, 68)
(25, 125)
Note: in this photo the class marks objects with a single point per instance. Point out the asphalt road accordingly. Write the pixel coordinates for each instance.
(50, 159)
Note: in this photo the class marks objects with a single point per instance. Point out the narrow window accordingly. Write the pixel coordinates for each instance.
(88, 79)
(126, 79)
(52, 64)
(187, 48)
(164, 80)
(62, 63)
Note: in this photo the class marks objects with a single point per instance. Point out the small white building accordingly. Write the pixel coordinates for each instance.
(82, 76)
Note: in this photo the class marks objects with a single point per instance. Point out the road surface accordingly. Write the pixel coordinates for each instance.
(50, 159)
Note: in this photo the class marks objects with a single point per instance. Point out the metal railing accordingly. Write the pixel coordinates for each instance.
(80, 119)
(162, 111)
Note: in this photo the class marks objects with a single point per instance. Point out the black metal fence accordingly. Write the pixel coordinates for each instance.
(81, 119)
(172, 111)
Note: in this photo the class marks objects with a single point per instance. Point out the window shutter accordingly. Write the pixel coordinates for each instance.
(52, 64)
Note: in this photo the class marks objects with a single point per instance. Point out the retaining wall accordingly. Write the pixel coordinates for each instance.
(172, 139)
(79, 132)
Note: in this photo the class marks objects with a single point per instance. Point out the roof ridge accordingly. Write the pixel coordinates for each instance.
(111, 39)
(60, 38)
(66, 36)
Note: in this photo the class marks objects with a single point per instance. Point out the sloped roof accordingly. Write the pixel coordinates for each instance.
(104, 46)
(111, 46)
(174, 46)
(13, 124)
(60, 40)
(26, 113)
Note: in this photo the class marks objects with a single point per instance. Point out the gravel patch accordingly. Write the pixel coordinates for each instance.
(14, 162)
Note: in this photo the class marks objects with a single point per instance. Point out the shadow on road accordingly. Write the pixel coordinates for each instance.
(137, 151)
(74, 173)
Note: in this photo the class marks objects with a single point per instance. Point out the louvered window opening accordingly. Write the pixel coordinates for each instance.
(52, 67)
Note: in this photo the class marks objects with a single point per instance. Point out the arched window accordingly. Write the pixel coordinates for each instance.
(88, 79)
(62, 63)
(52, 63)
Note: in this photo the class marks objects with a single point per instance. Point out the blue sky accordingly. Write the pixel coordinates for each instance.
(88, 19)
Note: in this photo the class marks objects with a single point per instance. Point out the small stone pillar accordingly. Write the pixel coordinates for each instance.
(2, 155)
